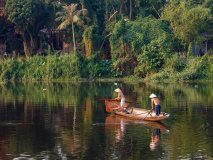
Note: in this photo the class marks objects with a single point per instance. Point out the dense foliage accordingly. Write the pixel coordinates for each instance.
(77, 68)
(119, 38)
(180, 68)
(28, 17)
(54, 67)
(141, 46)
(187, 20)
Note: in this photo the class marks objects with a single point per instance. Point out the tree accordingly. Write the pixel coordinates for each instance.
(12, 40)
(209, 4)
(141, 46)
(144, 8)
(21, 14)
(28, 17)
(187, 20)
(70, 15)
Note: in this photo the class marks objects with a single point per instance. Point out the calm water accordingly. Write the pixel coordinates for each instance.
(55, 121)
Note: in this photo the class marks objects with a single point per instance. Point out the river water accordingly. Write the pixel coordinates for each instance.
(59, 121)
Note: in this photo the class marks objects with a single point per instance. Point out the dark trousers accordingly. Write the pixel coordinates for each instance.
(157, 109)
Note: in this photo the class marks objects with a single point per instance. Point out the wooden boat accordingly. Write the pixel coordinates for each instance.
(131, 112)
(115, 104)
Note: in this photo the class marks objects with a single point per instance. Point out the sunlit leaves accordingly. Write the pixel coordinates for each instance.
(70, 15)
(142, 44)
(186, 20)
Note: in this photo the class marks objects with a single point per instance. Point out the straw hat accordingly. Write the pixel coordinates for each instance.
(152, 95)
(117, 90)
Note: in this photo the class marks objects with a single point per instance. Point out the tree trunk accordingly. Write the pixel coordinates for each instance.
(130, 12)
(24, 44)
(31, 43)
(121, 7)
(73, 34)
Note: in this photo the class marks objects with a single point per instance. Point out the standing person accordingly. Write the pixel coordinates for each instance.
(156, 101)
(121, 97)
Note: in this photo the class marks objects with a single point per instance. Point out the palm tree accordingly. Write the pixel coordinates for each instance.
(70, 15)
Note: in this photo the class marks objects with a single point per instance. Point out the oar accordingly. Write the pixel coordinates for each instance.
(147, 114)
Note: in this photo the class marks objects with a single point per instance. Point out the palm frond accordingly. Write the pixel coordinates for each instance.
(65, 8)
(64, 24)
(62, 18)
(73, 6)
(60, 13)
(76, 18)
(83, 12)
(80, 23)
(70, 14)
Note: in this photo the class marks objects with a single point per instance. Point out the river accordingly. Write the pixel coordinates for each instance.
(59, 121)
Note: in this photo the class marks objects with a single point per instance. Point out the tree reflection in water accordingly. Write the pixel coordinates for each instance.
(58, 122)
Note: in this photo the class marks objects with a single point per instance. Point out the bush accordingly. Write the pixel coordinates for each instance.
(161, 76)
(66, 67)
(140, 47)
(99, 68)
(190, 51)
(175, 64)
(182, 69)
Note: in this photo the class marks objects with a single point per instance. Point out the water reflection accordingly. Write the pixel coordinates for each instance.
(155, 139)
(62, 122)
(116, 125)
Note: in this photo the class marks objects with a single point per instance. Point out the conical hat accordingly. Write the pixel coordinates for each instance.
(152, 95)
(117, 90)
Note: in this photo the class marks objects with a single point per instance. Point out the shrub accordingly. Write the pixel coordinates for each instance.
(140, 47)
(66, 67)
(161, 76)
(190, 50)
(175, 64)
(178, 68)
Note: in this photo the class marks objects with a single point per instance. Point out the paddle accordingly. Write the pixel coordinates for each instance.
(147, 114)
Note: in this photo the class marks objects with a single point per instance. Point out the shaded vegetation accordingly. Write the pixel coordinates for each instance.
(53, 67)
(74, 67)
(146, 39)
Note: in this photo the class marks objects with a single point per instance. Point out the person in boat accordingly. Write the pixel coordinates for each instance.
(156, 101)
(120, 97)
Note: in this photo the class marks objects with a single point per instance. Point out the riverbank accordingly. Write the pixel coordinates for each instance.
(70, 67)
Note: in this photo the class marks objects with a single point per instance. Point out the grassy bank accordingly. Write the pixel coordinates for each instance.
(53, 67)
(182, 69)
(70, 67)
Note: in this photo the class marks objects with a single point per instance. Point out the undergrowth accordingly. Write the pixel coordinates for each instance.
(181, 69)
(75, 67)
